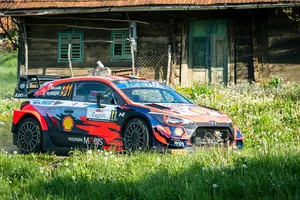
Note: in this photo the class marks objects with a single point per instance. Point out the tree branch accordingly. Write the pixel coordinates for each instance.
(7, 33)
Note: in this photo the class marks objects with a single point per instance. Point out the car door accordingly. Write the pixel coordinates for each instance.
(93, 125)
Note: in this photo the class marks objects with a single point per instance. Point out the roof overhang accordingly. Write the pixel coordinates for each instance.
(55, 11)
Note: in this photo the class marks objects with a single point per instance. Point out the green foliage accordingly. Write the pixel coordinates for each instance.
(197, 89)
(275, 82)
(8, 74)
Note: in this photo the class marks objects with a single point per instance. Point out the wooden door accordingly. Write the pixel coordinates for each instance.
(208, 51)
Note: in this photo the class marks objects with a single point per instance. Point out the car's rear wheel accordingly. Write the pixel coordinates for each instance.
(29, 136)
(136, 135)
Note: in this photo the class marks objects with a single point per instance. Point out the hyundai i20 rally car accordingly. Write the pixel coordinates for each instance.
(113, 112)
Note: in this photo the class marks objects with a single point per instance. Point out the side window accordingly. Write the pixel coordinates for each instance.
(61, 91)
(87, 91)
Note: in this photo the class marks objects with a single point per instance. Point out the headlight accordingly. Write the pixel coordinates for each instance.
(171, 120)
(230, 123)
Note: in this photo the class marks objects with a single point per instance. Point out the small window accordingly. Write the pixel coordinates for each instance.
(60, 92)
(87, 92)
(120, 48)
(76, 40)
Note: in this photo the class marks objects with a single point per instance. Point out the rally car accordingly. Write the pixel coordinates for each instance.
(114, 112)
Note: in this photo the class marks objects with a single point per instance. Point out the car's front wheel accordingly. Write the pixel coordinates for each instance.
(29, 136)
(136, 135)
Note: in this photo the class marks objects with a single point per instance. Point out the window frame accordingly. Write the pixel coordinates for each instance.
(123, 57)
(81, 46)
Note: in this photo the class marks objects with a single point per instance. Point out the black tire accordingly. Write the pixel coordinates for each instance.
(29, 136)
(136, 136)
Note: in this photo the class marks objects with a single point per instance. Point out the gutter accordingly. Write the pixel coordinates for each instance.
(52, 11)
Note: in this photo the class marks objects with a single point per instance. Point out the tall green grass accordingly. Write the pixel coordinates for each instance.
(8, 74)
(268, 173)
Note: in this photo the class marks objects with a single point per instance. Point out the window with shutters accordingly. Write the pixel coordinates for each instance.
(120, 47)
(76, 40)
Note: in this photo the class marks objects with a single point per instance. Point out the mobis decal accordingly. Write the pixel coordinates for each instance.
(68, 123)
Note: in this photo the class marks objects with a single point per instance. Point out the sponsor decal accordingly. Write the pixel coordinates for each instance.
(121, 114)
(22, 86)
(213, 122)
(98, 114)
(20, 95)
(68, 123)
(178, 143)
(138, 83)
(53, 93)
(93, 141)
(42, 102)
(75, 139)
(199, 111)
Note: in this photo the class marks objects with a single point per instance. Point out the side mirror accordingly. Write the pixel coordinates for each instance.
(99, 97)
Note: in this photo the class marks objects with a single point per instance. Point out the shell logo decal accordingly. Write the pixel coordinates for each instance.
(68, 123)
(199, 111)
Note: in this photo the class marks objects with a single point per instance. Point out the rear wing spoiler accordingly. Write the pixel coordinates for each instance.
(28, 84)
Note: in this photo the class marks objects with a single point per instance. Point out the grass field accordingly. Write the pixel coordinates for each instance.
(267, 168)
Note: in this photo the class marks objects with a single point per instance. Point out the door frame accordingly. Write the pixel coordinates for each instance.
(209, 53)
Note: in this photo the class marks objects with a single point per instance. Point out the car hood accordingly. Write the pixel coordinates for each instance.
(193, 112)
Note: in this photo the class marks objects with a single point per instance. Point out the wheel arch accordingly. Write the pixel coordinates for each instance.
(134, 116)
(24, 114)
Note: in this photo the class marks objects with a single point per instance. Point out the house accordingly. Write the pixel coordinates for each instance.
(217, 41)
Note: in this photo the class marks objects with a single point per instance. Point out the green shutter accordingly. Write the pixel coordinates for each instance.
(120, 48)
(77, 46)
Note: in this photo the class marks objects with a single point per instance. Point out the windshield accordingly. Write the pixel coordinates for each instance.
(154, 95)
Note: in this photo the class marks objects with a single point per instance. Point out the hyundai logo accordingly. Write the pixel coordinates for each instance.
(213, 122)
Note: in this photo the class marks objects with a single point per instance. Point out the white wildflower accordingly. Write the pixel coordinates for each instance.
(244, 166)
(106, 153)
(223, 173)
(110, 152)
(59, 164)
(15, 152)
(232, 167)
(214, 185)
(46, 173)
(74, 164)
(158, 160)
(204, 169)
(89, 152)
(105, 158)
(66, 164)
(73, 178)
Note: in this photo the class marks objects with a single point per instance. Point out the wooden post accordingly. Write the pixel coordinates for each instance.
(132, 56)
(26, 46)
(256, 64)
(69, 59)
(169, 64)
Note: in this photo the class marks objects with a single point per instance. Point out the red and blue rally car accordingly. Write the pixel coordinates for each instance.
(113, 112)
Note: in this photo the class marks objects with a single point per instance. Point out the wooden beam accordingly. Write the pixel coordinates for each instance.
(56, 40)
(95, 19)
(83, 27)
